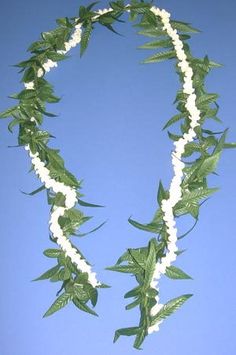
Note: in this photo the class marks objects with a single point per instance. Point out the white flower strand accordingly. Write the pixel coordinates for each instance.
(55, 228)
(175, 192)
(178, 166)
(69, 192)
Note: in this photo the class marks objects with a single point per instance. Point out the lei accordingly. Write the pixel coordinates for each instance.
(188, 188)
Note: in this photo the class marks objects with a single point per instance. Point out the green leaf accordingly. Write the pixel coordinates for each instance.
(170, 307)
(208, 165)
(150, 264)
(159, 57)
(166, 43)
(41, 188)
(140, 338)
(60, 302)
(9, 112)
(206, 99)
(52, 253)
(229, 145)
(197, 194)
(92, 231)
(83, 307)
(80, 293)
(161, 194)
(133, 293)
(86, 204)
(48, 274)
(56, 57)
(129, 269)
(152, 32)
(173, 120)
(85, 38)
(151, 227)
(133, 304)
(183, 26)
(175, 273)
(220, 145)
(125, 331)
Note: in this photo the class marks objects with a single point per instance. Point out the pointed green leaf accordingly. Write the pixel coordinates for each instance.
(170, 307)
(52, 253)
(129, 269)
(152, 32)
(133, 293)
(133, 304)
(85, 37)
(208, 165)
(229, 145)
(9, 112)
(183, 26)
(41, 188)
(92, 231)
(159, 57)
(166, 43)
(220, 145)
(174, 119)
(206, 99)
(83, 307)
(140, 338)
(80, 293)
(151, 227)
(48, 274)
(174, 272)
(60, 302)
(150, 264)
(86, 204)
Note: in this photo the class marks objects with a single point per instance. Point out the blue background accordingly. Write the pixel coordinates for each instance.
(109, 132)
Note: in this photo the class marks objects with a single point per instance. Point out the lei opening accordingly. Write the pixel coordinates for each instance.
(188, 188)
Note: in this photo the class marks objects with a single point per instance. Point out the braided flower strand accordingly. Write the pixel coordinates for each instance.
(175, 194)
(69, 192)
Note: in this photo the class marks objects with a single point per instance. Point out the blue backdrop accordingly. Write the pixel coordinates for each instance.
(109, 131)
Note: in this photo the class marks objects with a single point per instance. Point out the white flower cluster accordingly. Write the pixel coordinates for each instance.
(175, 192)
(69, 192)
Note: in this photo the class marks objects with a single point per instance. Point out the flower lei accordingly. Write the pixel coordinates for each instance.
(188, 185)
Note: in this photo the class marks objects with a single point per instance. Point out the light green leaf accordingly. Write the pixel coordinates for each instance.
(52, 253)
(80, 293)
(170, 307)
(8, 112)
(166, 43)
(134, 292)
(85, 38)
(129, 269)
(208, 165)
(48, 274)
(183, 27)
(206, 99)
(150, 264)
(83, 307)
(151, 227)
(173, 120)
(174, 272)
(159, 57)
(60, 302)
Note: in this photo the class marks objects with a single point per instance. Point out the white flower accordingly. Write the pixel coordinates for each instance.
(29, 86)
